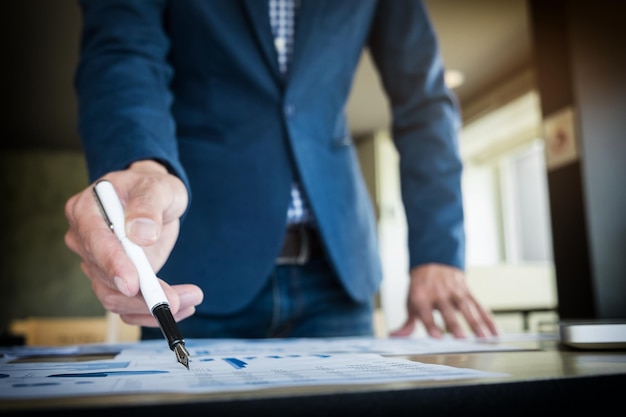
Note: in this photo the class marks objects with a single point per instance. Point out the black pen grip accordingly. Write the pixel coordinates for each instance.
(168, 325)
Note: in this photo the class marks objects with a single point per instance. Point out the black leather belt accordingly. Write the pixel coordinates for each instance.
(301, 244)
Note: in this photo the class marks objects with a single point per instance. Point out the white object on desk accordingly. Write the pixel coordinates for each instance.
(593, 334)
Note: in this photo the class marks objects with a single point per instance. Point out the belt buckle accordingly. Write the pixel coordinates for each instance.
(304, 252)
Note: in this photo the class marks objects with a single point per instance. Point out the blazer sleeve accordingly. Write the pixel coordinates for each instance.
(122, 84)
(425, 123)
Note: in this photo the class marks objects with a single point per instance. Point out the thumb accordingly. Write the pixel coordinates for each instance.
(144, 217)
(142, 230)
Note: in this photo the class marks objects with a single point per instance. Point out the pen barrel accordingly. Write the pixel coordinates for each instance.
(111, 206)
(148, 282)
(168, 325)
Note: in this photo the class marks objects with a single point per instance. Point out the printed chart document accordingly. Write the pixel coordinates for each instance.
(223, 365)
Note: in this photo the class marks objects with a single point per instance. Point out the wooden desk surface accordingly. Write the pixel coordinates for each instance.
(543, 380)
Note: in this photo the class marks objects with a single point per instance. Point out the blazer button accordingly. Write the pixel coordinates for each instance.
(289, 110)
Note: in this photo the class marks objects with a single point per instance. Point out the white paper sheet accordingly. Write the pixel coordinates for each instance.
(223, 365)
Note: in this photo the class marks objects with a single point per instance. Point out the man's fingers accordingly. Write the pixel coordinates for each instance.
(149, 320)
(102, 254)
(486, 321)
(189, 295)
(114, 301)
(426, 314)
(406, 330)
(451, 322)
(181, 299)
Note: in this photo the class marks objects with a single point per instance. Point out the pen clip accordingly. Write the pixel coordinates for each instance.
(102, 210)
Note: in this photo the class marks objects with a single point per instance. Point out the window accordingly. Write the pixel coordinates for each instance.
(505, 186)
(525, 208)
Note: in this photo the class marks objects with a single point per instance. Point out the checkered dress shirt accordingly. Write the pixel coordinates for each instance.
(283, 20)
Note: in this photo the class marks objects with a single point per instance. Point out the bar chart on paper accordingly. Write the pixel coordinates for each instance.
(217, 366)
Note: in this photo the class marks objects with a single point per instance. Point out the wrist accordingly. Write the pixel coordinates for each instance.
(149, 165)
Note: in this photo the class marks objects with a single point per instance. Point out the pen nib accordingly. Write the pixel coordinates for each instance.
(182, 355)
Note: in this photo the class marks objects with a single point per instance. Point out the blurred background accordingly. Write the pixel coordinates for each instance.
(541, 89)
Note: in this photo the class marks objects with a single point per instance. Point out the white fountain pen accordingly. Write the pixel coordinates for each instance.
(151, 290)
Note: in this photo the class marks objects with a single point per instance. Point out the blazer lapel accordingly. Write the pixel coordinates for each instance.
(306, 23)
(258, 16)
(307, 19)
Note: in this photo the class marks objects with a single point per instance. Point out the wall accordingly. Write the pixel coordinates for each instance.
(40, 42)
(579, 60)
(40, 275)
(40, 162)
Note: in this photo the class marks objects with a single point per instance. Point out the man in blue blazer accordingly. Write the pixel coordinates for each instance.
(221, 124)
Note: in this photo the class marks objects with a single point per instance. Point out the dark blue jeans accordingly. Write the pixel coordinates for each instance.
(297, 301)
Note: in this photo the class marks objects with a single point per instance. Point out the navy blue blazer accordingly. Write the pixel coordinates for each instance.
(195, 84)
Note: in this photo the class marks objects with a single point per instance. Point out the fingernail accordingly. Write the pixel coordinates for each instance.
(143, 229)
(121, 286)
